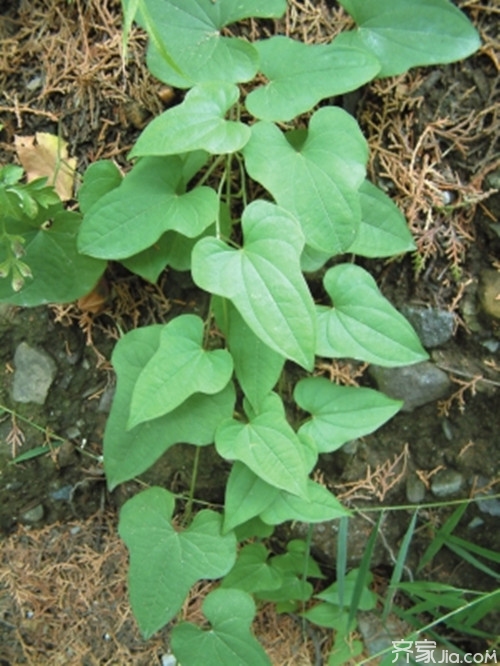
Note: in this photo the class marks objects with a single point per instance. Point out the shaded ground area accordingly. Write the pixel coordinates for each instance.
(434, 140)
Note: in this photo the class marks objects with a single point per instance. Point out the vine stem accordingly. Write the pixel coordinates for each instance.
(189, 506)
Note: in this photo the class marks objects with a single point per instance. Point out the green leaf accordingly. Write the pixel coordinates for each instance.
(100, 178)
(196, 124)
(320, 505)
(367, 601)
(268, 445)
(362, 324)
(229, 641)
(128, 453)
(314, 174)
(164, 564)
(263, 280)
(257, 367)
(177, 370)
(60, 273)
(410, 33)
(171, 249)
(341, 413)
(383, 231)
(188, 33)
(252, 572)
(150, 200)
(300, 75)
(246, 496)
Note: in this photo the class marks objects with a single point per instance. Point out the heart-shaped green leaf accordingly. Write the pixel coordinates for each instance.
(186, 45)
(178, 369)
(150, 200)
(60, 273)
(300, 75)
(314, 174)
(251, 572)
(383, 231)
(263, 280)
(319, 506)
(410, 33)
(164, 564)
(100, 178)
(341, 413)
(196, 124)
(268, 445)
(257, 367)
(246, 496)
(362, 324)
(128, 453)
(229, 641)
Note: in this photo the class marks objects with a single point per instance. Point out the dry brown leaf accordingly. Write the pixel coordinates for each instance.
(46, 155)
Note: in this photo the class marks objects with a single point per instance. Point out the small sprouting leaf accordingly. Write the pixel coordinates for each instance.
(252, 572)
(187, 34)
(362, 324)
(263, 280)
(177, 370)
(128, 453)
(331, 595)
(60, 273)
(150, 200)
(300, 75)
(341, 413)
(410, 33)
(383, 231)
(100, 178)
(246, 496)
(196, 124)
(314, 174)
(164, 563)
(268, 445)
(229, 641)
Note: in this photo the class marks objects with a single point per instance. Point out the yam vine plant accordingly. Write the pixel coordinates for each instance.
(186, 204)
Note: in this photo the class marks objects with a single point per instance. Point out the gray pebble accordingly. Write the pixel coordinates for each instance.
(33, 515)
(416, 384)
(447, 482)
(415, 489)
(434, 327)
(35, 371)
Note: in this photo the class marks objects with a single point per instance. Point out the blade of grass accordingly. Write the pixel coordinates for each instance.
(364, 571)
(342, 558)
(441, 536)
(398, 568)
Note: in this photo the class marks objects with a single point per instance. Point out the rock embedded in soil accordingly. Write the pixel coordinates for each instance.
(33, 515)
(488, 292)
(416, 384)
(434, 327)
(447, 482)
(35, 371)
(415, 489)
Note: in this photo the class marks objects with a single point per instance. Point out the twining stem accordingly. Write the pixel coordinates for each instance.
(210, 170)
(189, 506)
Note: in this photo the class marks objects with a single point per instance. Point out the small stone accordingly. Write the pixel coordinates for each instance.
(34, 515)
(489, 293)
(415, 490)
(35, 371)
(447, 482)
(434, 327)
(106, 400)
(416, 384)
